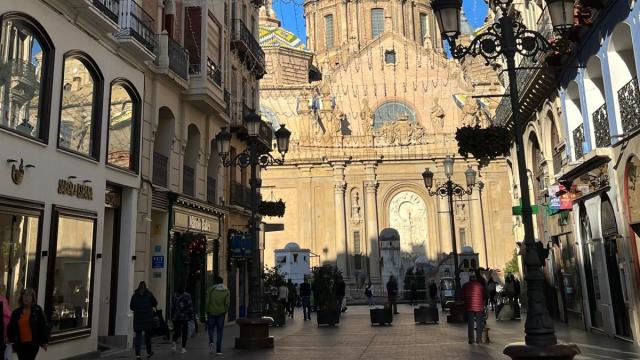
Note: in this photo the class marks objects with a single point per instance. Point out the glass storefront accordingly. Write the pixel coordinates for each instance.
(70, 273)
(18, 249)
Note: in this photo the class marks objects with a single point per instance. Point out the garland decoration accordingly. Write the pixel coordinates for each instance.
(490, 143)
(271, 208)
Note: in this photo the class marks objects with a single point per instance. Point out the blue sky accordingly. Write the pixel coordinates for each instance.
(290, 12)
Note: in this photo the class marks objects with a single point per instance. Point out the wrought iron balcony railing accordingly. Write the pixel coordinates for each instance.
(227, 101)
(242, 38)
(160, 169)
(578, 141)
(557, 161)
(629, 100)
(528, 70)
(240, 195)
(600, 120)
(213, 72)
(23, 69)
(178, 59)
(110, 8)
(135, 22)
(188, 180)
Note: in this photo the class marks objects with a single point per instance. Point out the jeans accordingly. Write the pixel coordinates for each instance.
(306, 307)
(138, 339)
(216, 323)
(291, 305)
(181, 327)
(370, 300)
(478, 318)
(393, 303)
(26, 351)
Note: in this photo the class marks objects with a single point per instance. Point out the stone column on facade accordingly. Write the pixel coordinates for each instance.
(444, 230)
(371, 210)
(475, 222)
(339, 187)
(305, 214)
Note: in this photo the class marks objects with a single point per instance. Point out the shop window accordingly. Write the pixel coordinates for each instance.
(18, 253)
(124, 126)
(26, 54)
(70, 281)
(80, 106)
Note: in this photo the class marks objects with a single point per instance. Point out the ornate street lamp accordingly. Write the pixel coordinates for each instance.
(450, 189)
(506, 38)
(254, 331)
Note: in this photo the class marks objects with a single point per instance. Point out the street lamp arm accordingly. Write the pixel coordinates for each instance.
(456, 190)
(244, 160)
(490, 45)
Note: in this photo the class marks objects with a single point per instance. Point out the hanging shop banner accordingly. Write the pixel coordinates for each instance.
(554, 199)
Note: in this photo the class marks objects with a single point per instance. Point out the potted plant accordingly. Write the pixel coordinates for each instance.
(273, 279)
(484, 143)
(324, 278)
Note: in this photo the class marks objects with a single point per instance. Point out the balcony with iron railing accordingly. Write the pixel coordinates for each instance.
(239, 109)
(136, 28)
(160, 169)
(629, 100)
(24, 71)
(213, 72)
(172, 56)
(227, 101)
(248, 46)
(578, 141)
(240, 195)
(531, 74)
(188, 180)
(109, 8)
(600, 121)
(558, 161)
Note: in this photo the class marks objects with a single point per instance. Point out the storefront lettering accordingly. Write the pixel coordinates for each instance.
(66, 187)
(201, 224)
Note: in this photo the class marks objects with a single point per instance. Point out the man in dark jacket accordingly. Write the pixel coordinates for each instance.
(291, 298)
(392, 293)
(305, 295)
(473, 293)
(142, 304)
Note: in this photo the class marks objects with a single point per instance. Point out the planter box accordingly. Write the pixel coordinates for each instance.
(328, 317)
(381, 316)
(425, 314)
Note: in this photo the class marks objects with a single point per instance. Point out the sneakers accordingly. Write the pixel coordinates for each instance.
(218, 352)
(173, 347)
(183, 351)
(211, 348)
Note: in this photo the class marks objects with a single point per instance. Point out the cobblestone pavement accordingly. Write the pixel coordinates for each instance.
(355, 338)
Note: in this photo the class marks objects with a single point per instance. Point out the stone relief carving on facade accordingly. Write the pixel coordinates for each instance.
(437, 114)
(408, 215)
(461, 211)
(366, 116)
(402, 132)
(473, 114)
(356, 216)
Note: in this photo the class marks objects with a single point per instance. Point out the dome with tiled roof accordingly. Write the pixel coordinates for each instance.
(278, 37)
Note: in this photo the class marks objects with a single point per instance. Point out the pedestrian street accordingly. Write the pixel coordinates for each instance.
(355, 338)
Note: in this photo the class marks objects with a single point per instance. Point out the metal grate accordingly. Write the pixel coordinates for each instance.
(160, 165)
(600, 120)
(211, 190)
(188, 181)
(178, 59)
(110, 8)
(138, 24)
(578, 141)
(629, 99)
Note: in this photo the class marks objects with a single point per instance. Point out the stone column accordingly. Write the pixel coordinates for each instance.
(341, 238)
(371, 210)
(475, 222)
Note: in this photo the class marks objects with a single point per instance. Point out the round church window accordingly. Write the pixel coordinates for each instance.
(392, 111)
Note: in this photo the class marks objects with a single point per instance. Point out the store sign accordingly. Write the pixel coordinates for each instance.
(241, 246)
(81, 191)
(157, 262)
(560, 198)
(198, 223)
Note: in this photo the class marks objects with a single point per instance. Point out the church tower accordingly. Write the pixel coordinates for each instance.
(348, 25)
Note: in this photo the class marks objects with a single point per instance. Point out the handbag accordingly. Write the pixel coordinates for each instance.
(157, 320)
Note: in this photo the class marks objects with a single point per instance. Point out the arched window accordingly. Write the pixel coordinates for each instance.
(377, 22)
(596, 105)
(574, 119)
(624, 78)
(328, 31)
(392, 111)
(124, 126)
(80, 106)
(26, 60)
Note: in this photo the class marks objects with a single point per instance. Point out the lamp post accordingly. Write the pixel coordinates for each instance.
(484, 231)
(450, 189)
(254, 331)
(506, 38)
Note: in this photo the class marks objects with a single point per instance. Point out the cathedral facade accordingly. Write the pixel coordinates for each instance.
(372, 100)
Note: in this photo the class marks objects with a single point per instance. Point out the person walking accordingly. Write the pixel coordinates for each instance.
(305, 297)
(291, 298)
(516, 297)
(392, 293)
(181, 314)
(473, 295)
(340, 289)
(28, 330)
(283, 296)
(491, 288)
(218, 300)
(315, 290)
(6, 317)
(368, 292)
(142, 304)
(433, 291)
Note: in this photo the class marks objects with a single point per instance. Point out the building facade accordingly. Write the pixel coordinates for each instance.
(372, 101)
(583, 166)
(70, 134)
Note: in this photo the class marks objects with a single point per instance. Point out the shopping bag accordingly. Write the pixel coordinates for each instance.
(192, 328)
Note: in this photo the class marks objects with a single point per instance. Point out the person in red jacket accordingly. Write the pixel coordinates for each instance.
(473, 294)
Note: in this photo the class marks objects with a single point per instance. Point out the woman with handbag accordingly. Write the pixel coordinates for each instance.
(143, 304)
(181, 315)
